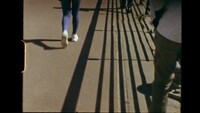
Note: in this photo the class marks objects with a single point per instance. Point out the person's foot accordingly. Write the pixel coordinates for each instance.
(175, 91)
(175, 94)
(128, 10)
(129, 5)
(122, 7)
(64, 40)
(74, 37)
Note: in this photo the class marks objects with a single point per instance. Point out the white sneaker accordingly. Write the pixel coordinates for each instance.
(64, 40)
(74, 37)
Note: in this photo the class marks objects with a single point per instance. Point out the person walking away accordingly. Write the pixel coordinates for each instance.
(166, 19)
(66, 5)
(123, 4)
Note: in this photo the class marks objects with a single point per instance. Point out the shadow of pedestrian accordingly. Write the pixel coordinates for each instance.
(40, 43)
(145, 89)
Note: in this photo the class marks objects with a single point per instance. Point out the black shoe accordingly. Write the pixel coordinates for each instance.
(122, 7)
(129, 5)
(128, 10)
(175, 94)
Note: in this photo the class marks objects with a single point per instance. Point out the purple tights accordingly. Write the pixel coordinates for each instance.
(66, 14)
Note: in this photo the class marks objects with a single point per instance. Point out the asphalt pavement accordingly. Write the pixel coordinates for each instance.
(109, 69)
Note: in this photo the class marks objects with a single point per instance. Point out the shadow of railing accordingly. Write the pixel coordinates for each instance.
(133, 84)
(121, 71)
(73, 92)
(131, 18)
(72, 95)
(140, 67)
(100, 83)
(139, 13)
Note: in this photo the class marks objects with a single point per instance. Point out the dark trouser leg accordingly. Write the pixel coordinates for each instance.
(130, 3)
(166, 55)
(122, 4)
(66, 14)
(75, 13)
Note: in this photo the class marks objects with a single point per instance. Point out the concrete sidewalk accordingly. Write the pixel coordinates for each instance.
(109, 69)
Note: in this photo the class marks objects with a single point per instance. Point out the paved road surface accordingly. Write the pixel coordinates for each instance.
(110, 68)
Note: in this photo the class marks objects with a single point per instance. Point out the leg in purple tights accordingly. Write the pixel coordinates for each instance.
(66, 14)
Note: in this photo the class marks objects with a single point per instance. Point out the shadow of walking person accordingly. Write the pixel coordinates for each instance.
(40, 43)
